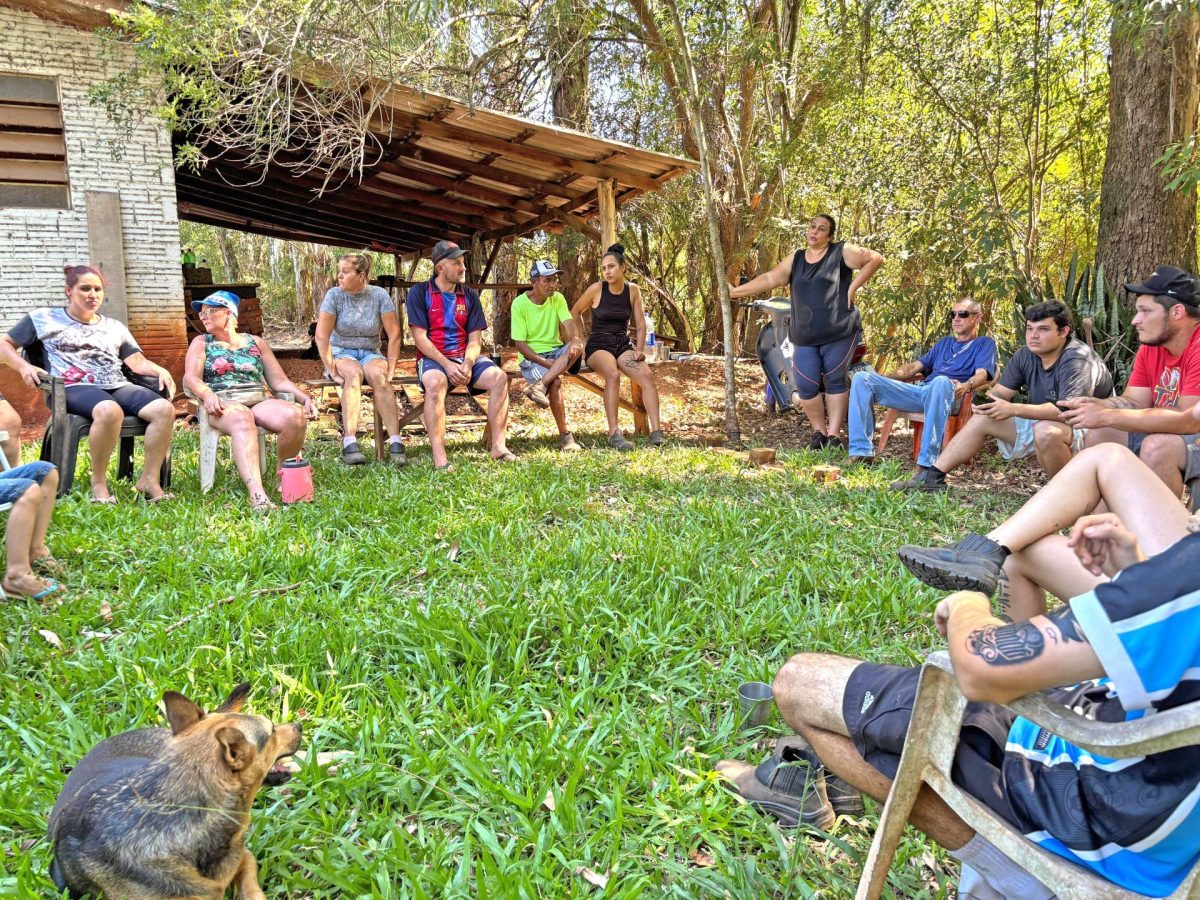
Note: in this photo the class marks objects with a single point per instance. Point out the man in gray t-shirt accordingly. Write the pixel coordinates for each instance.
(347, 337)
(1052, 366)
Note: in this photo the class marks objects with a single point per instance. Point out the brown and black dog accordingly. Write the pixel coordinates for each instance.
(158, 813)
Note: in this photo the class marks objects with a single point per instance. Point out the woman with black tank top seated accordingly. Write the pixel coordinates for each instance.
(609, 351)
(826, 325)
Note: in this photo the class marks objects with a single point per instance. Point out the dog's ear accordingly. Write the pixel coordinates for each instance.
(236, 699)
(182, 713)
(235, 749)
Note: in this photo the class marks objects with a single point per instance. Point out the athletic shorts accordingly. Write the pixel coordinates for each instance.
(15, 482)
(616, 344)
(1025, 445)
(132, 398)
(481, 366)
(532, 372)
(1191, 444)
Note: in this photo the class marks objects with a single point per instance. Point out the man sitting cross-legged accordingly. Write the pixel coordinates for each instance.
(1051, 367)
(1026, 556)
(953, 367)
(538, 316)
(1135, 823)
(1165, 381)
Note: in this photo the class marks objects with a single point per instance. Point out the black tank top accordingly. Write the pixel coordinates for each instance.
(611, 314)
(821, 311)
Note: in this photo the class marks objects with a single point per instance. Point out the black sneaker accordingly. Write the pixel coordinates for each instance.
(396, 454)
(794, 793)
(352, 455)
(923, 479)
(817, 441)
(972, 564)
(843, 797)
(837, 442)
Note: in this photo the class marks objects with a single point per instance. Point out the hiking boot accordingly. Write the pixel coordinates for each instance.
(817, 441)
(566, 443)
(657, 438)
(352, 455)
(793, 792)
(537, 393)
(924, 479)
(972, 564)
(396, 454)
(843, 797)
(618, 442)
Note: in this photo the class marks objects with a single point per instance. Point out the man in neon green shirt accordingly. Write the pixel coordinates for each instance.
(545, 337)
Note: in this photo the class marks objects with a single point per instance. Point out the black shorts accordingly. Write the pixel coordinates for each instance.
(616, 344)
(877, 707)
(132, 398)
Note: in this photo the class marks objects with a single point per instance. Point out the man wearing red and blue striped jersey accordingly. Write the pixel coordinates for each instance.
(447, 324)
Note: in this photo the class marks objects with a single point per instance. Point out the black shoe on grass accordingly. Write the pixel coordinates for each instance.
(792, 792)
(924, 479)
(352, 455)
(845, 800)
(972, 564)
(817, 441)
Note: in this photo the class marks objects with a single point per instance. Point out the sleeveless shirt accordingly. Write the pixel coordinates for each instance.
(821, 311)
(611, 314)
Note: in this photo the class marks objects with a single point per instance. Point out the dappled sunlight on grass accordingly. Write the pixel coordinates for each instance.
(572, 626)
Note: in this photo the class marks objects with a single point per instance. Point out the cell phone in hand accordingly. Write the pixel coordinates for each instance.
(982, 399)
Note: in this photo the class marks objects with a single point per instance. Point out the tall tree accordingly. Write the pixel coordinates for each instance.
(1153, 103)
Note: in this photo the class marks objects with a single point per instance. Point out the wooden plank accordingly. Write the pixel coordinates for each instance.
(608, 214)
(411, 170)
(27, 117)
(491, 172)
(106, 249)
(533, 224)
(33, 172)
(463, 208)
(31, 145)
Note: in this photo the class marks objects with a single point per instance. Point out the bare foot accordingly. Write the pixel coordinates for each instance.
(100, 493)
(29, 585)
(151, 491)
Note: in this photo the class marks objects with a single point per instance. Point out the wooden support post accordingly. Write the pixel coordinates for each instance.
(475, 259)
(106, 250)
(641, 424)
(608, 213)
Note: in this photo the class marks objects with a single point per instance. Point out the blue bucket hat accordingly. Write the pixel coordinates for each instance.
(223, 299)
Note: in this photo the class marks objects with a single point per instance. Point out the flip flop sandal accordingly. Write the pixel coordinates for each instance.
(164, 497)
(51, 587)
(103, 501)
(505, 457)
(448, 467)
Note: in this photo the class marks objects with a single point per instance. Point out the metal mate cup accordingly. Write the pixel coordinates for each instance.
(757, 699)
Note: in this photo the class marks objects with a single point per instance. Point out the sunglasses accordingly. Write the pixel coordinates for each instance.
(960, 314)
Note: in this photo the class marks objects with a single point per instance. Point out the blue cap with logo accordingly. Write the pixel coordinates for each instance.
(542, 268)
(222, 299)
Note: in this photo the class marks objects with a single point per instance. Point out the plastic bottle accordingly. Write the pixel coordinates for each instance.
(189, 258)
(649, 331)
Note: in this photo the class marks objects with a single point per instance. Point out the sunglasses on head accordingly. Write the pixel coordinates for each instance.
(960, 314)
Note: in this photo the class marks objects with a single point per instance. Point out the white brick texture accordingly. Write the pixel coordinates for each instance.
(35, 244)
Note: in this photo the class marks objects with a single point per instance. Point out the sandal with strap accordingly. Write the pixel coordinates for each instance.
(48, 565)
(50, 587)
(164, 497)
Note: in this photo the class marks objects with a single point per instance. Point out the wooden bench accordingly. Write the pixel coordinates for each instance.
(408, 387)
(635, 405)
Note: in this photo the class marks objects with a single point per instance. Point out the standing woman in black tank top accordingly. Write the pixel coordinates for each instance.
(826, 325)
(613, 302)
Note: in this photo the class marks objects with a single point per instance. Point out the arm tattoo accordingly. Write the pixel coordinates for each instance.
(1067, 625)
(1006, 645)
(1004, 597)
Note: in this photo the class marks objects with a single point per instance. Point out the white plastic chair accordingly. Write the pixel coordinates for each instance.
(929, 754)
(209, 437)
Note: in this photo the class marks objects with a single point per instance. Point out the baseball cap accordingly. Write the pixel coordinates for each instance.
(1169, 281)
(224, 299)
(447, 250)
(541, 268)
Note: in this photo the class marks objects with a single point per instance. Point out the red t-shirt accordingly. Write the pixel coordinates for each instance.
(1169, 377)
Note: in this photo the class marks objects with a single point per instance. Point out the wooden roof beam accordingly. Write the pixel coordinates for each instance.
(463, 211)
(484, 169)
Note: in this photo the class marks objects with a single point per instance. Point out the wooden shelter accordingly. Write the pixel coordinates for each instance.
(444, 170)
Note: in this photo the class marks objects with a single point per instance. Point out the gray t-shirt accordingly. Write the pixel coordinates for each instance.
(76, 352)
(357, 317)
(1078, 372)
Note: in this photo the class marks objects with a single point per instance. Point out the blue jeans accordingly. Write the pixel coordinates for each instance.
(934, 398)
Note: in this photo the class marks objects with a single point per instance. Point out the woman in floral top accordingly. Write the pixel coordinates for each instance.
(233, 375)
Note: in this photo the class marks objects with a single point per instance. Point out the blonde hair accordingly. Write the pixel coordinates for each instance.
(360, 261)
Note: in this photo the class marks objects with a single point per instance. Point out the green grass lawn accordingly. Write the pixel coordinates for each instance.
(576, 626)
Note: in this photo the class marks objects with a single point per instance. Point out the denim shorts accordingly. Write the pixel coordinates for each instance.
(533, 372)
(15, 482)
(1025, 445)
(362, 357)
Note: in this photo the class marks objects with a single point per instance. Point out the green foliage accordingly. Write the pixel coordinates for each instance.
(478, 642)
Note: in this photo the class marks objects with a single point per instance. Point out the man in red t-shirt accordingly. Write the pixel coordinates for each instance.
(1156, 417)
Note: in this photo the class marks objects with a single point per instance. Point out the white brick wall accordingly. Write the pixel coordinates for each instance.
(35, 244)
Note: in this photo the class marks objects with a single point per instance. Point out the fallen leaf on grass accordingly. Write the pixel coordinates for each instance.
(106, 611)
(453, 552)
(549, 718)
(593, 878)
(51, 638)
(548, 800)
(702, 859)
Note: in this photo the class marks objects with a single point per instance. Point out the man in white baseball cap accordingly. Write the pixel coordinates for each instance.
(545, 337)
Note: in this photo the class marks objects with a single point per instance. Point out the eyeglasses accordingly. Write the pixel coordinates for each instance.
(209, 311)
(960, 314)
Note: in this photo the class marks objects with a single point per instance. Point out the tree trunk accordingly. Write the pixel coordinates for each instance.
(1154, 93)
(504, 271)
(228, 257)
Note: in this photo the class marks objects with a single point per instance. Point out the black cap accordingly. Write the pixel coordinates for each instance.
(447, 250)
(1169, 281)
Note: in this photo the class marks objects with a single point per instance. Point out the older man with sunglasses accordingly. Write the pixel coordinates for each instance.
(957, 364)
